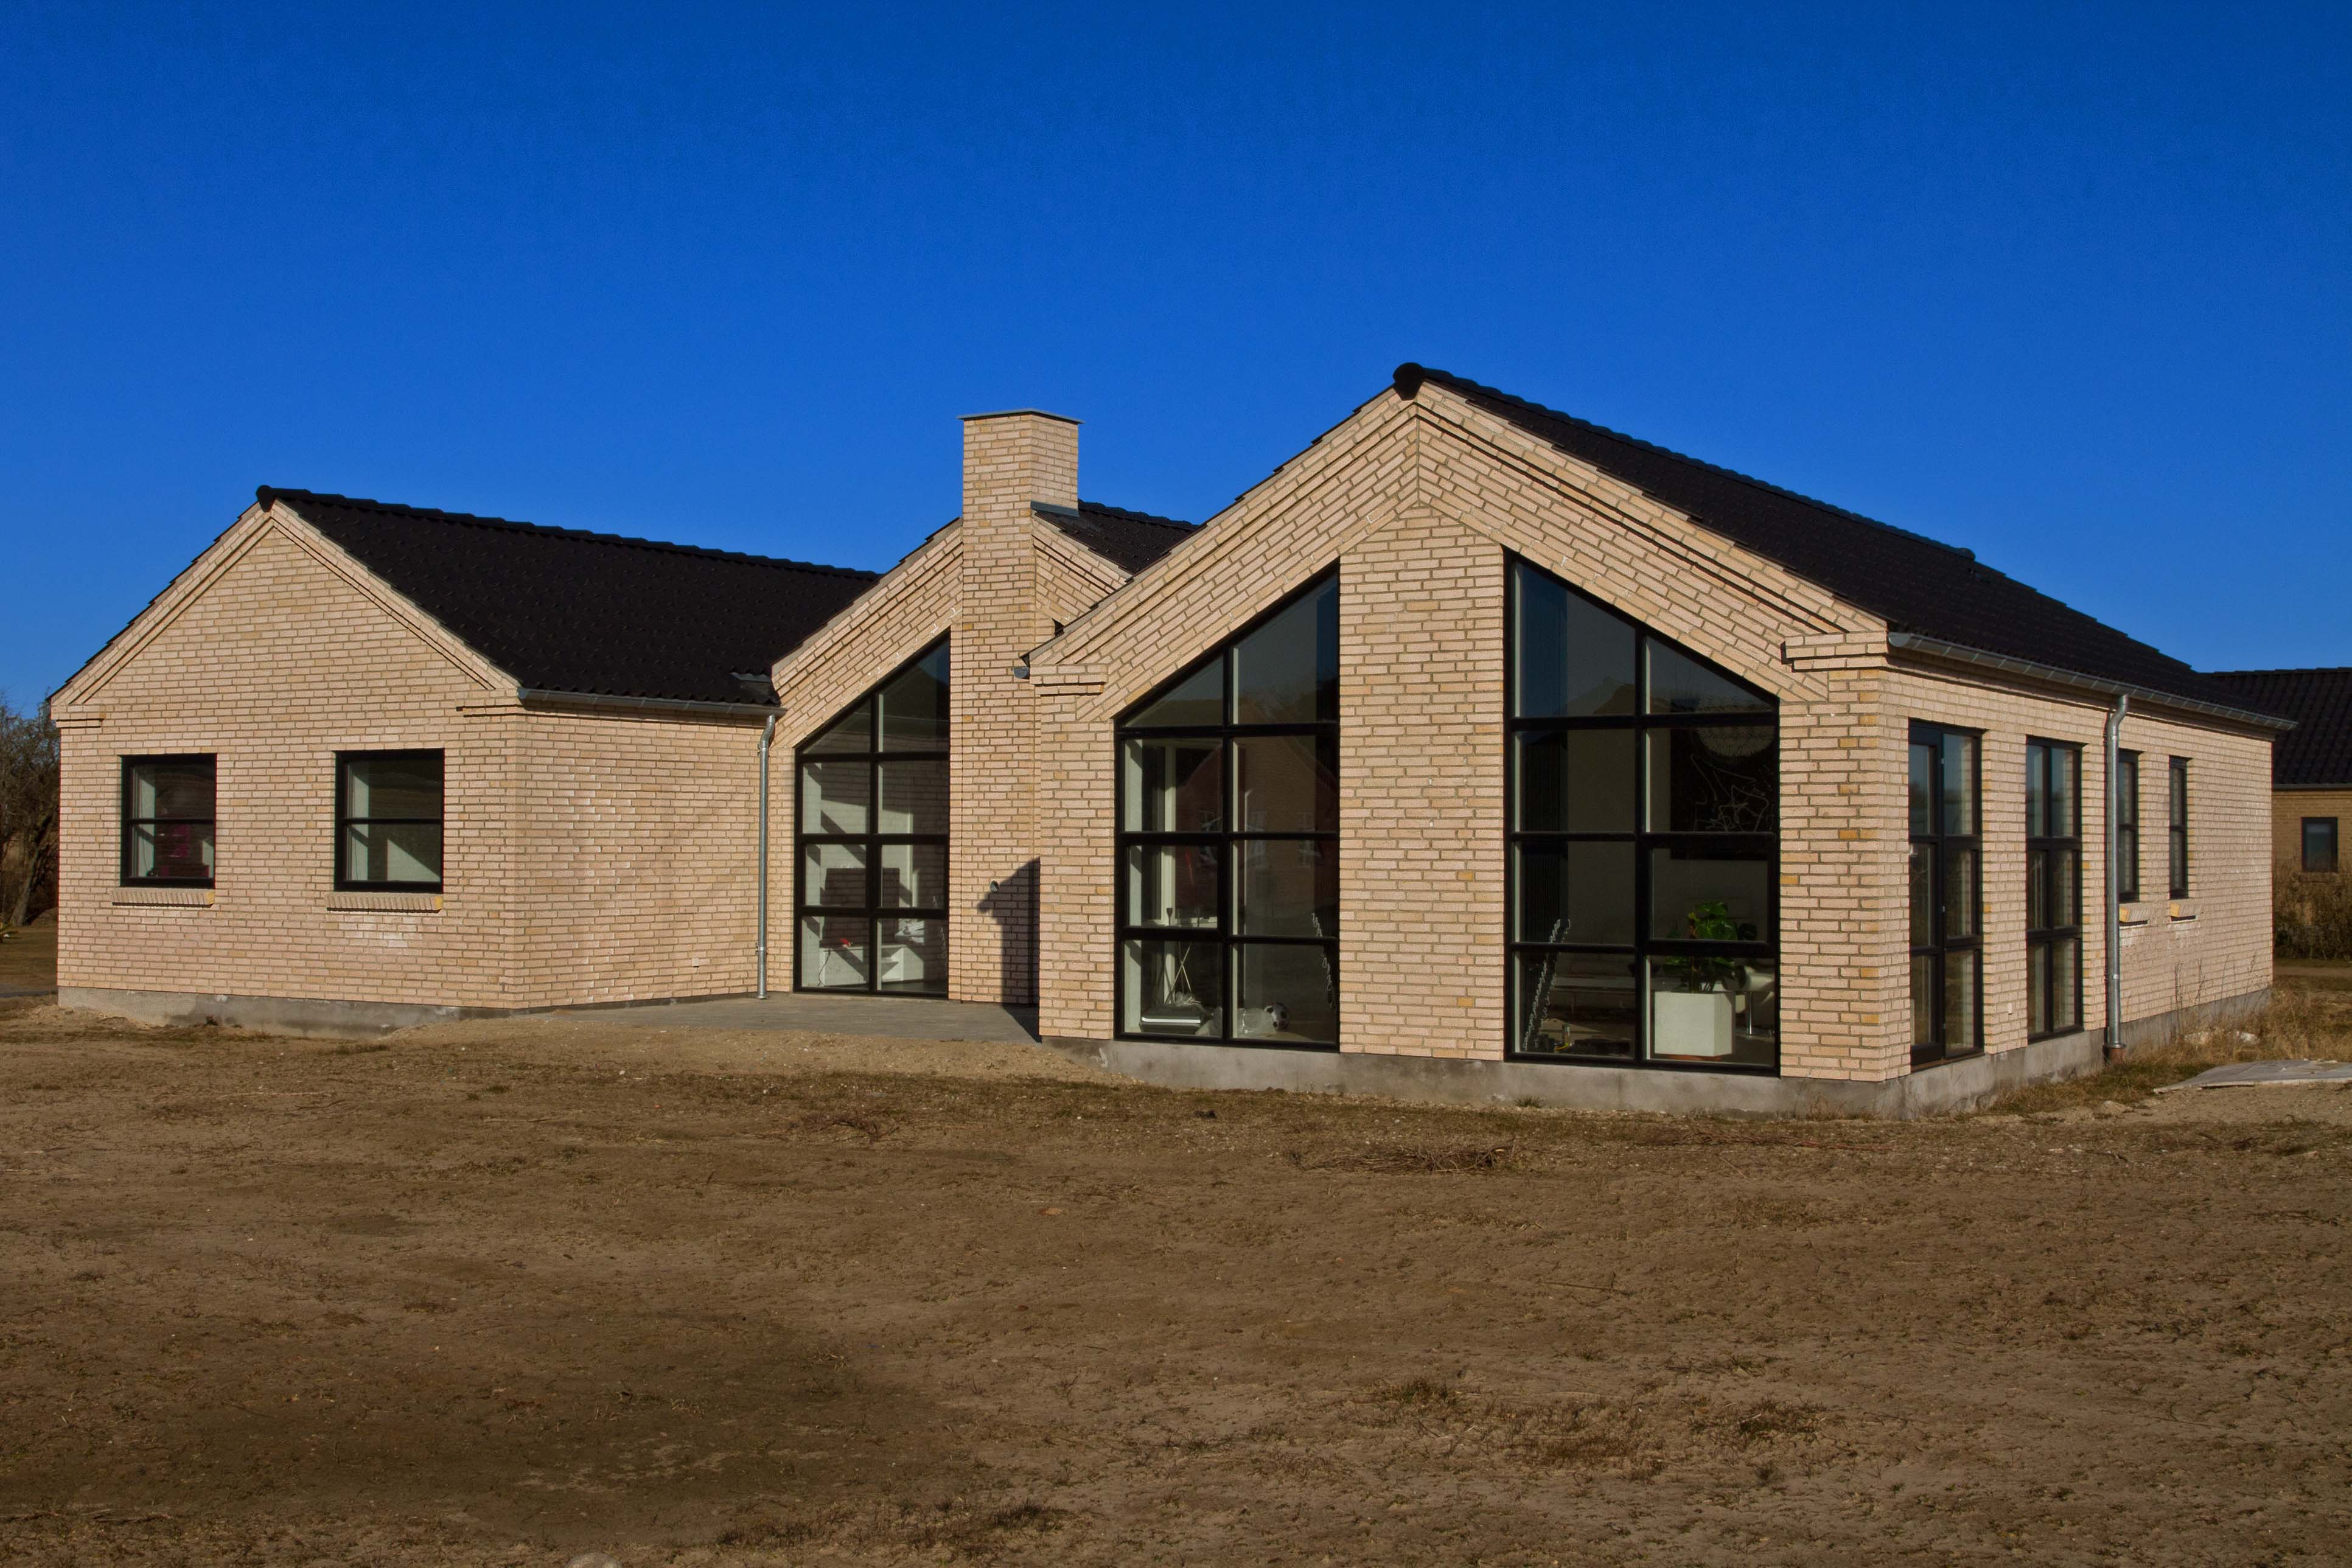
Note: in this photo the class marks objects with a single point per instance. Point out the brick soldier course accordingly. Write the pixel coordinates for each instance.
(603, 758)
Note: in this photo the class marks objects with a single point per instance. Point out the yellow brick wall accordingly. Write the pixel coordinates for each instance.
(2290, 807)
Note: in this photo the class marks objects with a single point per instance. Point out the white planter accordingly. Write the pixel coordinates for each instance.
(1690, 1023)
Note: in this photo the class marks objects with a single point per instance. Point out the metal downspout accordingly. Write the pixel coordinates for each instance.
(2114, 883)
(767, 736)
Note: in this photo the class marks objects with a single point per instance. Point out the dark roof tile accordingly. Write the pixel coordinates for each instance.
(2318, 752)
(1129, 539)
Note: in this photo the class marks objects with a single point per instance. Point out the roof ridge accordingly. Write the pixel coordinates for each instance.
(1135, 516)
(1413, 374)
(265, 493)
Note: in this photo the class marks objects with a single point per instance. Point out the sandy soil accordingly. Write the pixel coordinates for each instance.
(501, 1293)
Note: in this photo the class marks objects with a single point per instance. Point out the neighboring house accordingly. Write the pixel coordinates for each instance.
(1477, 752)
(2310, 771)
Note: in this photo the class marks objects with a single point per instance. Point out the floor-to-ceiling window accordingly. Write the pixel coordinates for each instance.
(2053, 888)
(1644, 818)
(1946, 895)
(871, 877)
(1229, 838)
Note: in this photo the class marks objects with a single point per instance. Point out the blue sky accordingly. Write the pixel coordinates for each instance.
(2069, 286)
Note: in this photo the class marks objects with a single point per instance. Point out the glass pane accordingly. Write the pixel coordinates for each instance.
(1711, 892)
(1579, 893)
(172, 789)
(2037, 989)
(1923, 895)
(1720, 1010)
(2063, 887)
(1922, 1001)
(1286, 993)
(2319, 843)
(392, 786)
(2064, 762)
(1923, 797)
(1960, 785)
(392, 851)
(915, 706)
(1574, 659)
(2037, 890)
(1575, 1004)
(1173, 988)
(2127, 863)
(1286, 784)
(2177, 796)
(1959, 1003)
(914, 876)
(1289, 887)
(2127, 791)
(833, 876)
(1288, 671)
(1680, 684)
(1173, 786)
(852, 732)
(914, 958)
(834, 952)
(1575, 780)
(2066, 980)
(913, 798)
(172, 852)
(1715, 780)
(2037, 791)
(1959, 892)
(834, 797)
(1198, 698)
(1172, 885)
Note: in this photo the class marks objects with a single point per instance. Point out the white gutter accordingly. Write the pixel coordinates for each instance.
(2114, 883)
(767, 736)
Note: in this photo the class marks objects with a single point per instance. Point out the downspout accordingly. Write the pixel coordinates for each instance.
(2114, 883)
(767, 736)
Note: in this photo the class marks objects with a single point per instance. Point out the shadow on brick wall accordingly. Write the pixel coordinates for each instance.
(1012, 902)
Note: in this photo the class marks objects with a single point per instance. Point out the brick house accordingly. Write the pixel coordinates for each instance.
(2311, 773)
(1477, 752)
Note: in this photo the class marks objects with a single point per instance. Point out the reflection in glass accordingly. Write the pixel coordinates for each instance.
(914, 956)
(1576, 892)
(1575, 1004)
(387, 852)
(914, 876)
(1574, 659)
(1680, 684)
(1171, 885)
(1960, 784)
(1575, 780)
(915, 705)
(2064, 761)
(1173, 988)
(834, 797)
(853, 733)
(1287, 783)
(833, 876)
(1288, 671)
(170, 851)
(1714, 1011)
(1715, 779)
(1923, 895)
(1959, 892)
(1173, 786)
(1197, 699)
(1287, 887)
(834, 952)
(1959, 1003)
(914, 797)
(181, 790)
(1286, 993)
(2065, 975)
(1923, 999)
(391, 786)
(1711, 892)
(1922, 768)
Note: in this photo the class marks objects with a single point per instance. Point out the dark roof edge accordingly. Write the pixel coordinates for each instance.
(1052, 510)
(2294, 670)
(1413, 376)
(265, 493)
(1936, 647)
(531, 696)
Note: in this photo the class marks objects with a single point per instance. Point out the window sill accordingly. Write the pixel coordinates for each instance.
(2134, 912)
(397, 903)
(2181, 909)
(165, 897)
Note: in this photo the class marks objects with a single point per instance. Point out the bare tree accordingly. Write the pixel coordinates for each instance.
(28, 813)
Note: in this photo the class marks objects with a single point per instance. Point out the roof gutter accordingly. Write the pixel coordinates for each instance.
(535, 696)
(1936, 647)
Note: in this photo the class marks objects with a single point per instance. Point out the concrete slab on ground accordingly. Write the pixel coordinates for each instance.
(2259, 1074)
(807, 1013)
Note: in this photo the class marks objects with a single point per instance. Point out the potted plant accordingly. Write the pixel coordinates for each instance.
(1692, 999)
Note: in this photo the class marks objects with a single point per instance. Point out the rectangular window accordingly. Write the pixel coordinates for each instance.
(2053, 888)
(388, 821)
(2319, 843)
(1946, 895)
(168, 820)
(2127, 826)
(1644, 789)
(872, 873)
(1229, 840)
(2177, 828)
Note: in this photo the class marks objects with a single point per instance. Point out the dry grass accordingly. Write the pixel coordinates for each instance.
(2305, 1022)
(2311, 913)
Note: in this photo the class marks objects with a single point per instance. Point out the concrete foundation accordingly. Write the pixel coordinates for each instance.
(270, 1015)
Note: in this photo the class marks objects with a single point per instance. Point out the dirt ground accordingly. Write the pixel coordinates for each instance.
(504, 1292)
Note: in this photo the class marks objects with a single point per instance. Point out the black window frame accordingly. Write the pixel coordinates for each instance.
(2127, 820)
(1943, 848)
(2335, 843)
(2176, 827)
(2043, 942)
(126, 821)
(1225, 936)
(1645, 946)
(874, 841)
(343, 823)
